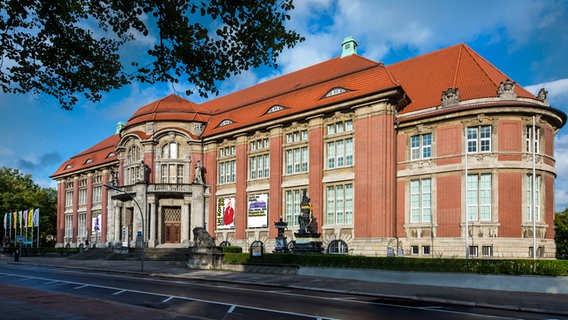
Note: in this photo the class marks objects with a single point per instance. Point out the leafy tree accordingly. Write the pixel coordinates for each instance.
(18, 192)
(561, 233)
(68, 48)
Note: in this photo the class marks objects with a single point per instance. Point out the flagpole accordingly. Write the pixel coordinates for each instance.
(466, 206)
(533, 145)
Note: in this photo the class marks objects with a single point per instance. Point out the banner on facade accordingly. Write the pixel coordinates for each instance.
(257, 215)
(225, 212)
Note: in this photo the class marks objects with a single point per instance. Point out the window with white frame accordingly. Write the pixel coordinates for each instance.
(172, 173)
(171, 150)
(426, 250)
(533, 198)
(82, 225)
(421, 200)
(69, 198)
(479, 139)
(97, 194)
(134, 154)
(296, 152)
(227, 165)
(259, 159)
(292, 200)
(473, 251)
(337, 247)
(339, 144)
(529, 139)
(421, 146)
(68, 225)
(478, 189)
(82, 196)
(339, 204)
(487, 251)
(297, 160)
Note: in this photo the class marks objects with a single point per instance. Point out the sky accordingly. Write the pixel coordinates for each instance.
(527, 40)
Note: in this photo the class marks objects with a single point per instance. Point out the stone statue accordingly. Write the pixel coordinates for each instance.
(306, 216)
(198, 172)
(202, 238)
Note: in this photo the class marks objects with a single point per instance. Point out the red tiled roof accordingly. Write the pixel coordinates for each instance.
(92, 157)
(299, 91)
(425, 77)
(172, 107)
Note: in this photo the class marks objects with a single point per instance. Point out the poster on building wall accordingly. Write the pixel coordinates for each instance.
(225, 213)
(257, 214)
(96, 222)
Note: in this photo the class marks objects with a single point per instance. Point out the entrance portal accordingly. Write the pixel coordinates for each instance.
(172, 224)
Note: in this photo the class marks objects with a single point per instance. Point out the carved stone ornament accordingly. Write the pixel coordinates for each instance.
(506, 90)
(542, 94)
(450, 97)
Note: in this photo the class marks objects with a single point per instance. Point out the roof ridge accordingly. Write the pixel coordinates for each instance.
(312, 84)
(475, 56)
(458, 64)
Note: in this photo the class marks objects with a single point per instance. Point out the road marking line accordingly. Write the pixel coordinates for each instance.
(231, 309)
(118, 292)
(81, 287)
(168, 299)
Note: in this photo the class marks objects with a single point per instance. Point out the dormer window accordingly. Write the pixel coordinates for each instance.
(112, 154)
(275, 108)
(89, 161)
(225, 122)
(68, 166)
(335, 91)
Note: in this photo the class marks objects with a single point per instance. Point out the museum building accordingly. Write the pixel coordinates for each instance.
(441, 155)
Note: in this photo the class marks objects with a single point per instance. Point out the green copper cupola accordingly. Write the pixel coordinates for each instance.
(349, 46)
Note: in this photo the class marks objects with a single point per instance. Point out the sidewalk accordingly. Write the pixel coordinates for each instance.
(527, 293)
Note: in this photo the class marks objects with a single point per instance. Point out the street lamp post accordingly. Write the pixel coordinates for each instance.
(141, 218)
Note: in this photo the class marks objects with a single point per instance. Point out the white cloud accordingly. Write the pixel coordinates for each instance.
(561, 184)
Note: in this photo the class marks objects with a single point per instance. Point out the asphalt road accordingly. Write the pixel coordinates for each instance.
(89, 293)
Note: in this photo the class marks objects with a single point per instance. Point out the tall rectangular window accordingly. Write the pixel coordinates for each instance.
(259, 167)
(340, 153)
(82, 225)
(421, 146)
(421, 200)
(297, 160)
(97, 194)
(82, 196)
(479, 139)
(529, 139)
(292, 200)
(530, 200)
(478, 189)
(227, 165)
(69, 198)
(339, 200)
(68, 225)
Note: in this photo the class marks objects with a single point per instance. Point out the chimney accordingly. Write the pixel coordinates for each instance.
(349, 47)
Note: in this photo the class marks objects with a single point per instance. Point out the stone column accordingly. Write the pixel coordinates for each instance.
(153, 221)
(197, 207)
(185, 229)
(118, 205)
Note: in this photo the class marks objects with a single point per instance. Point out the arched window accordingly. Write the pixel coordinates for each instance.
(170, 151)
(134, 154)
(225, 244)
(337, 247)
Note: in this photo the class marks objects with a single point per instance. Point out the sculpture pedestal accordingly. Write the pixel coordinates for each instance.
(307, 245)
(205, 258)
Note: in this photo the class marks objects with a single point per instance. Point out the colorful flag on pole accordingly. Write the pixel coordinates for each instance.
(36, 218)
(20, 218)
(15, 219)
(25, 218)
(30, 218)
(5, 220)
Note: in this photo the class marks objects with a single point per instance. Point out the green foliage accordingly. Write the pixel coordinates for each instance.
(482, 266)
(69, 48)
(561, 233)
(18, 192)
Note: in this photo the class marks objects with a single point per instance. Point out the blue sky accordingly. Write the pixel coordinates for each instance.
(527, 40)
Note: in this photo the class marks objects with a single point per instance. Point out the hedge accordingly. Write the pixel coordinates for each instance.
(481, 266)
